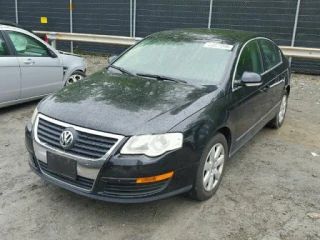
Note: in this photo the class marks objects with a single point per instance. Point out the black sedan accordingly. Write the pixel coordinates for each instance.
(163, 118)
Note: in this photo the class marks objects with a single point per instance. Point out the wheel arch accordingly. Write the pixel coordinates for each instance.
(287, 89)
(226, 132)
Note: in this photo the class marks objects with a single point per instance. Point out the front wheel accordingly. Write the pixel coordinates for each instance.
(278, 120)
(211, 168)
(75, 77)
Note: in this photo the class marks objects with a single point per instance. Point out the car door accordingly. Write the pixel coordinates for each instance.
(274, 74)
(249, 105)
(10, 82)
(40, 73)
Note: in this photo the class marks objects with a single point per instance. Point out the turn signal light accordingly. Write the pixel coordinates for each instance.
(155, 178)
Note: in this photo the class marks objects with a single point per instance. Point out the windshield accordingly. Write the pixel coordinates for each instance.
(195, 62)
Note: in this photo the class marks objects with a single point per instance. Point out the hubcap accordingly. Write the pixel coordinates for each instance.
(74, 78)
(283, 108)
(213, 167)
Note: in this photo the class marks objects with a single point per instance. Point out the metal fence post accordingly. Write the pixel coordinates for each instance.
(295, 26)
(16, 10)
(130, 18)
(54, 43)
(210, 15)
(134, 18)
(71, 24)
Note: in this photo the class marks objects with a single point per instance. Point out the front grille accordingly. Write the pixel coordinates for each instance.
(86, 145)
(82, 182)
(134, 190)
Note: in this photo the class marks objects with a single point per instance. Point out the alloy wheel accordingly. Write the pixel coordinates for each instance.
(74, 78)
(213, 167)
(283, 108)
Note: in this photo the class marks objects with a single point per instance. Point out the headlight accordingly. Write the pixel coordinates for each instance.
(34, 115)
(153, 145)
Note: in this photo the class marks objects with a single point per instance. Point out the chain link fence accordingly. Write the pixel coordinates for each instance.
(275, 19)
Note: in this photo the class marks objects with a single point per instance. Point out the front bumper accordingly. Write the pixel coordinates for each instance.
(115, 181)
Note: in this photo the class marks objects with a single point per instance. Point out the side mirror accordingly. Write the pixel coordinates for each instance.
(112, 59)
(52, 53)
(250, 79)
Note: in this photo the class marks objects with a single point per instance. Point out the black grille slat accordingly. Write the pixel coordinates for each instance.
(135, 186)
(97, 138)
(51, 125)
(83, 152)
(46, 135)
(48, 140)
(92, 148)
(48, 130)
(86, 144)
(82, 182)
(94, 144)
(134, 190)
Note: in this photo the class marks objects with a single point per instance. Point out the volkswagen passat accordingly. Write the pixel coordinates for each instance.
(163, 118)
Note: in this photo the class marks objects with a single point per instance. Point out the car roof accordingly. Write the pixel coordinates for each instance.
(8, 24)
(18, 29)
(203, 35)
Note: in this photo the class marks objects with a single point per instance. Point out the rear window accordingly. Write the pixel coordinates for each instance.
(271, 54)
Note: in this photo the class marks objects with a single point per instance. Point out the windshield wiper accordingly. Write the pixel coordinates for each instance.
(160, 77)
(121, 70)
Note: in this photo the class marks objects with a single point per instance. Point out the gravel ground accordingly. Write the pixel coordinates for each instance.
(271, 189)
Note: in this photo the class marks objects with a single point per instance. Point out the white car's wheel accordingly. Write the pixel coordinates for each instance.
(75, 77)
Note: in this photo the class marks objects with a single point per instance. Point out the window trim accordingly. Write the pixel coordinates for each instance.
(238, 58)
(260, 54)
(3, 33)
(8, 49)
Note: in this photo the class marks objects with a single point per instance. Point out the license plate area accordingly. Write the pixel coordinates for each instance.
(63, 166)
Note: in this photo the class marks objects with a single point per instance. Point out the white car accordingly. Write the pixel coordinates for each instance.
(30, 68)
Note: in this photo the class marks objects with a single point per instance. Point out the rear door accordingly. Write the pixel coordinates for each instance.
(274, 74)
(40, 73)
(10, 82)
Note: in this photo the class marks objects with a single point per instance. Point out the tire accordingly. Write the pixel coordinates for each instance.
(75, 77)
(204, 187)
(278, 120)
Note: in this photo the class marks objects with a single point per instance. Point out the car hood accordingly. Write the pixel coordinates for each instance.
(126, 105)
(68, 53)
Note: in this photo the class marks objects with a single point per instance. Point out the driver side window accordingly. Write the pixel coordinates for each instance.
(250, 60)
(27, 46)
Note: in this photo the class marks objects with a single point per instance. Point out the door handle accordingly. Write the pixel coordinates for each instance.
(265, 88)
(29, 62)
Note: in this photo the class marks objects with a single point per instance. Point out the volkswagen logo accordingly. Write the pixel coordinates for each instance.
(66, 139)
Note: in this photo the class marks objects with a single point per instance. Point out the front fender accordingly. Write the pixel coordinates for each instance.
(71, 63)
(199, 128)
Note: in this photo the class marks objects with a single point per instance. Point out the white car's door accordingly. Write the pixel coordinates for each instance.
(10, 82)
(40, 72)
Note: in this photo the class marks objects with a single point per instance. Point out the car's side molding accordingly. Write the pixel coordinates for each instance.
(6, 104)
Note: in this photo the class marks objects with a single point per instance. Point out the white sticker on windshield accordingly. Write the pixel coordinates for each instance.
(218, 46)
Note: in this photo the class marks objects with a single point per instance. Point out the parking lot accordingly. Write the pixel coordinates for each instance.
(271, 189)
